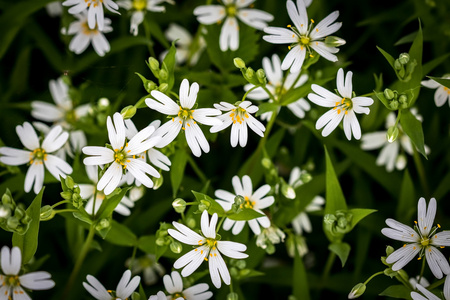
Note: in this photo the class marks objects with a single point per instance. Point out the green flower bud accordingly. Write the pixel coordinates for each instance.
(69, 182)
(150, 86)
(19, 212)
(393, 104)
(342, 222)
(47, 213)
(204, 205)
(163, 87)
(5, 212)
(179, 205)
(160, 241)
(244, 272)
(232, 296)
(249, 74)
(239, 63)
(190, 222)
(153, 64)
(266, 163)
(270, 249)
(176, 247)
(287, 190)
(135, 296)
(305, 177)
(66, 195)
(77, 201)
(401, 73)
(240, 264)
(329, 219)
(392, 134)
(12, 223)
(357, 291)
(7, 198)
(334, 41)
(128, 112)
(397, 65)
(163, 75)
(102, 224)
(403, 98)
(389, 94)
(403, 58)
(389, 272)
(239, 200)
(261, 75)
(157, 182)
(234, 272)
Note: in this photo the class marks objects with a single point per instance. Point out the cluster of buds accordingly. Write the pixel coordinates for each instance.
(71, 192)
(13, 217)
(404, 67)
(396, 100)
(296, 243)
(338, 224)
(257, 78)
(161, 73)
(163, 239)
(269, 237)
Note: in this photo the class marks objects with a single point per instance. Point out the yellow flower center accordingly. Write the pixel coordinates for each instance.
(178, 295)
(248, 203)
(95, 3)
(238, 115)
(231, 10)
(139, 4)
(304, 40)
(343, 106)
(120, 156)
(37, 156)
(71, 117)
(12, 280)
(87, 30)
(424, 242)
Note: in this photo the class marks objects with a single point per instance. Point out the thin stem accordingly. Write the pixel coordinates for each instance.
(328, 266)
(371, 277)
(83, 252)
(436, 284)
(174, 94)
(269, 93)
(65, 210)
(196, 169)
(246, 93)
(220, 224)
(421, 171)
(398, 117)
(422, 269)
(132, 258)
(405, 283)
(60, 202)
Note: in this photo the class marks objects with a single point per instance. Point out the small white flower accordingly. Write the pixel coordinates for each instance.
(87, 191)
(422, 240)
(239, 117)
(183, 41)
(209, 249)
(269, 237)
(12, 283)
(344, 106)
(278, 85)
(302, 37)
(391, 154)
(124, 289)
(159, 296)
(256, 201)
(427, 295)
(138, 8)
(37, 155)
(442, 93)
(174, 286)
(183, 117)
(232, 9)
(84, 35)
(93, 9)
(423, 281)
(124, 156)
(146, 264)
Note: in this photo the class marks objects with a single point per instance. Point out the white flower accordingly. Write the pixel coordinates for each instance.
(37, 155)
(344, 106)
(389, 154)
(87, 191)
(423, 281)
(148, 266)
(239, 117)
(301, 221)
(138, 8)
(270, 236)
(159, 296)
(302, 37)
(256, 201)
(232, 9)
(124, 289)
(124, 156)
(209, 249)
(174, 286)
(94, 13)
(422, 240)
(12, 283)
(85, 35)
(278, 85)
(54, 9)
(183, 41)
(427, 295)
(183, 117)
(442, 93)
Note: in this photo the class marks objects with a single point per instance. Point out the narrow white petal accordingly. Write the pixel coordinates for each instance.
(37, 281)
(437, 262)
(28, 136)
(403, 256)
(35, 174)
(11, 260)
(57, 167)
(232, 249)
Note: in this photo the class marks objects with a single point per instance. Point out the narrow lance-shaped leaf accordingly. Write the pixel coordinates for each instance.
(245, 214)
(213, 207)
(334, 197)
(169, 63)
(407, 200)
(413, 128)
(300, 279)
(342, 250)
(444, 81)
(177, 170)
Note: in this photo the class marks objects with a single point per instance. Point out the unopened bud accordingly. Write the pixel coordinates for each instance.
(389, 272)
(249, 74)
(389, 94)
(287, 190)
(397, 65)
(232, 296)
(266, 163)
(357, 291)
(163, 75)
(342, 222)
(157, 182)
(66, 195)
(403, 58)
(240, 264)
(160, 241)
(334, 41)
(392, 134)
(190, 222)
(104, 223)
(305, 177)
(261, 75)
(402, 98)
(153, 65)
(12, 223)
(128, 112)
(401, 161)
(179, 205)
(47, 213)
(393, 104)
(163, 87)
(329, 219)
(239, 200)
(5, 212)
(176, 247)
(204, 205)
(6, 198)
(69, 182)
(239, 63)
(389, 250)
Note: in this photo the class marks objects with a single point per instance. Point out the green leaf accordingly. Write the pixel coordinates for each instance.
(177, 170)
(169, 62)
(300, 279)
(334, 197)
(109, 204)
(147, 244)
(121, 235)
(266, 107)
(359, 214)
(444, 81)
(142, 292)
(245, 214)
(382, 98)
(214, 207)
(29, 241)
(397, 291)
(407, 200)
(429, 66)
(388, 57)
(83, 216)
(413, 128)
(342, 250)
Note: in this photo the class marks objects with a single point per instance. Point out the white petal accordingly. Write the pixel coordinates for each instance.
(28, 136)
(209, 14)
(232, 249)
(110, 179)
(35, 174)
(126, 287)
(294, 59)
(14, 157)
(185, 234)
(403, 256)
(191, 260)
(437, 262)
(95, 288)
(373, 140)
(11, 260)
(279, 35)
(37, 281)
(173, 283)
(57, 167)
(229, 35)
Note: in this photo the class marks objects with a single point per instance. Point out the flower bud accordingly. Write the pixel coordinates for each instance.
(240, 264)
(160, 241)
(392, 134)
(249, 74)
(203, 205)
(6, 198)
(128, 112)
(179, 205)
(66, 195)
(400, 162)
(403, 58)
(397, 65)
(12, 223)
(389, 272)
(176, 247)
(153, 64)
(287, 190)
(329, 219)
(69, 182)
(157, 182)
(232, 296)
(163, 87)
(305, 177)
(334, 41)
(389, 94)
(389, 250)
(393, 104)
(266, 163)
(190, 222)
(47, 213)
(403, 98)
(103, 224)
(239, 200)
(261, 75)
(163, 75)
(357, 291)
(239, 63)
(5, 212)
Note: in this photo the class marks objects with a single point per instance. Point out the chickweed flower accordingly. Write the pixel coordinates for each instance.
(425, 294)
(209, 248)
(184, 116)
(37, 155)
(345, 105)
(302, 37)
(422, 240)
(124, 289)
(239, 117)
(174, 286)
(442, 93)
(231, 10)
(93, 9)
(12, 284)
(254, 200)
(124, 155)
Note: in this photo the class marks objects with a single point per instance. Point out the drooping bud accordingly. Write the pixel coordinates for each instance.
(163, 87)
(334, 41)
(179, 205)
(176, 247)
(157, 182)
(128, 112)
(47, 213)
(400, 162)
(287, 190)
(392, 134)
(357, 291)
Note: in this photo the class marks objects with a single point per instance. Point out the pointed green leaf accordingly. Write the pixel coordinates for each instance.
(300, 279)
(147, 244)
(214, 207)
(169, 62)
(444, 81)
(121, 235)
(266, 107)
(334, 197)
(359, 214)
(342, 250)
(28, 242)
(429, 66)
(245, 214)
(413, 128)
(407, 202)
(177, 170)
(397, 291)
(388, 57)
(109, 204)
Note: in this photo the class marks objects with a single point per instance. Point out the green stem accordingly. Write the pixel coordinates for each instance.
(132, 258)
(269, 93)
(246, 93)
(422, 269)
(398, 117)
(371, 277)
(83, 252)
(328, 266)
(405, 283)
(65, 210)
(220, 223)
(421, 171)
(196, 169)
(436, 284)
(60, 202)
(174, 94)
